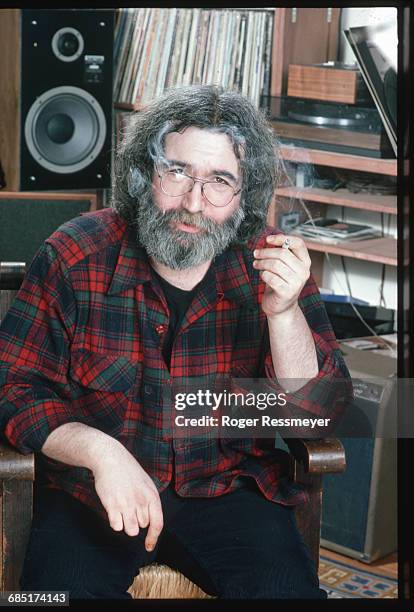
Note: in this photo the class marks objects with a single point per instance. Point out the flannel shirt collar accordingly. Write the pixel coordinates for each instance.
(132, 267)
(227, 276)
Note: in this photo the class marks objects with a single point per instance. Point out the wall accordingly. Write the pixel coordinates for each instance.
(354, 17)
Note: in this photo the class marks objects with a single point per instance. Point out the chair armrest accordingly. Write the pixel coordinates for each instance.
(322, 456)
(15, 465)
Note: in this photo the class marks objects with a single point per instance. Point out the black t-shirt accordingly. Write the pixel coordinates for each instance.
(178, 301)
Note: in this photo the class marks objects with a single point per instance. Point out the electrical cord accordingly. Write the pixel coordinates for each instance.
(388, 345)
(382, 297)
(346, 276)
(373, 333)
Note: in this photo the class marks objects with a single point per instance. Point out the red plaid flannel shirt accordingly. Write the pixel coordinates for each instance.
(82, 343)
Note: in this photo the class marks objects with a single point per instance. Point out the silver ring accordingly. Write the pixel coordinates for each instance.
(286, 243)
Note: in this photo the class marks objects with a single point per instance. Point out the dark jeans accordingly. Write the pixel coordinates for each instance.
(238, 545)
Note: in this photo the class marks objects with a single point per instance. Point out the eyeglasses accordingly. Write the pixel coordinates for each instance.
(174, 183)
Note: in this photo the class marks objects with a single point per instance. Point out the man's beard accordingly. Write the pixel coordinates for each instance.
(178, 249)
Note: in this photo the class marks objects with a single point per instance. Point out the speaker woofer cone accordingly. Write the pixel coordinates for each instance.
(60, 128)
(65, 129)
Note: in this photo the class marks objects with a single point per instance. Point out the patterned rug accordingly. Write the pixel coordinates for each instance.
(344, 581)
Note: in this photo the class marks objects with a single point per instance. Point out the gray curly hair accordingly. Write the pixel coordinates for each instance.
(207, 107)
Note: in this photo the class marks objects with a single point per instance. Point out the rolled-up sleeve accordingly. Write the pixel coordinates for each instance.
(328, 394)
(35, 336)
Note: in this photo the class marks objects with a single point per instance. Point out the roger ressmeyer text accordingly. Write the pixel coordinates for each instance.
(242, 423)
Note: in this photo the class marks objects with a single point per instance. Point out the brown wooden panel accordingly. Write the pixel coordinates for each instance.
(368, 141)
(321, 456)
(301, 36)
(332, 50)
(277, 51)
(10, 95)
(339, 160)
(318, 260)
(378, 250)
(319, 83)
(16, 506)
(14, 465)
(308, 515)
(343, 197)
(52, 195)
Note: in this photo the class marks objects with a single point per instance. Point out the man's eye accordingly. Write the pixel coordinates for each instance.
(220, 181)
(176, 171)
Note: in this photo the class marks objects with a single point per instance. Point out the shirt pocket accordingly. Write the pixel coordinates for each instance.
(103, 385)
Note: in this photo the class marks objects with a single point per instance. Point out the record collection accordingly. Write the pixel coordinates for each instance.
(156, 48)
(332, 231)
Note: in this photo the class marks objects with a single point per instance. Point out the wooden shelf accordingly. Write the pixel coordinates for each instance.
(378, 250)
(52, 195)
(126, 106)
(343, 197)
(339, 160)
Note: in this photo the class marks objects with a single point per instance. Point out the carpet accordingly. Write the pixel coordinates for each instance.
(345, 581)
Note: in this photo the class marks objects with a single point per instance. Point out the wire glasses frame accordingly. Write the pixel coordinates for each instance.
(164, 174)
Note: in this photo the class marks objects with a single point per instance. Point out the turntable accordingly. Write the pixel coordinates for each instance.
(344, 128)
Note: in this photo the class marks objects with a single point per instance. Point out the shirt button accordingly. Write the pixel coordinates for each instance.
(160, 329)
(147, 389)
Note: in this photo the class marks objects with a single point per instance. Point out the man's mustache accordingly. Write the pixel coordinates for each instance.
(196, 220)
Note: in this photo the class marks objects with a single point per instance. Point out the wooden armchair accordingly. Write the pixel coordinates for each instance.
(310, 460)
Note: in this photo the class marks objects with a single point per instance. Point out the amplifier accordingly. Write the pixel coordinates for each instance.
(359, 510)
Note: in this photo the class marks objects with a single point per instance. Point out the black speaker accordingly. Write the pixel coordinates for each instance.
(57, 131)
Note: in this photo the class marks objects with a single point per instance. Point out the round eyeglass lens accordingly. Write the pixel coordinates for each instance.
(219, 194)
(175, 184)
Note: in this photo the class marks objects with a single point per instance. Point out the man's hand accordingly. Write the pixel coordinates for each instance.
(129, 495)
(285, 272)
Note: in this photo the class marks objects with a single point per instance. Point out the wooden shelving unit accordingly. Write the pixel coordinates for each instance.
(339, 160)
(380, 250)
(342, 197)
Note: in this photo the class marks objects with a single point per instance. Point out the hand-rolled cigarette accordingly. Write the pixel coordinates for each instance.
(286, 243)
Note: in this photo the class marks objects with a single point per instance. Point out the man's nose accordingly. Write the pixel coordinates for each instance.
(193, 200)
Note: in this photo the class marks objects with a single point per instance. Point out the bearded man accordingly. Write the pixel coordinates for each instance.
(179, 278)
